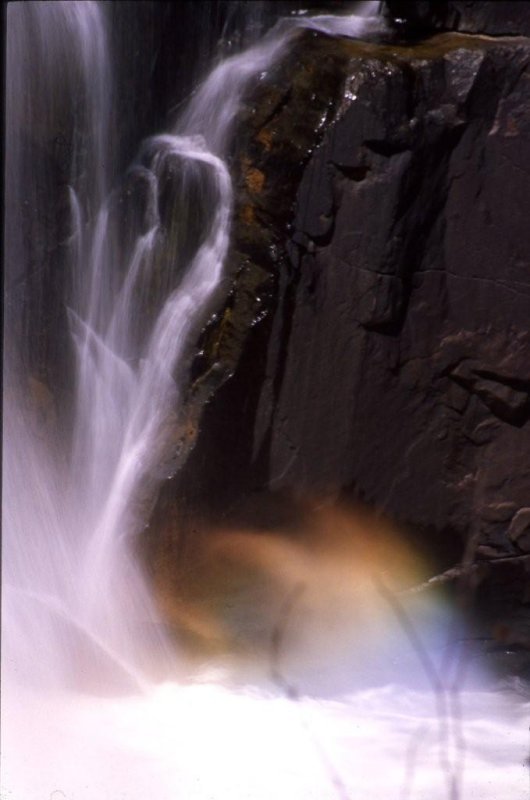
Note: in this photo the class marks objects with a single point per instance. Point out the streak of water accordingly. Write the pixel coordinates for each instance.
(127, 372)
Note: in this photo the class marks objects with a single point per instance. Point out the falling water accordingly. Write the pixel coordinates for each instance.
(79, 479)
(126, 374)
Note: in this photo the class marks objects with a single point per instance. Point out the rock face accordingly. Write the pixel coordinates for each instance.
(489, 17)
(390, 359)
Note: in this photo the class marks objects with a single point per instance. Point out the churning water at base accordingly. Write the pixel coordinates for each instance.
(205, 741)
(86, 713)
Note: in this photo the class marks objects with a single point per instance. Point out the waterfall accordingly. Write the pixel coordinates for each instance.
(108, 280)
(72, 511)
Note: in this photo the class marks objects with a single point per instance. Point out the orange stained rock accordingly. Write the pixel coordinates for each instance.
(255, 180)
(247, 214)
(264, 137)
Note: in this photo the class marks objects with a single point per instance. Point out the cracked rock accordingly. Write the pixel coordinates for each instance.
(519, 530)
(393, 359)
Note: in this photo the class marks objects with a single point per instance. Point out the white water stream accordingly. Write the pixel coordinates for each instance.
(83, 716)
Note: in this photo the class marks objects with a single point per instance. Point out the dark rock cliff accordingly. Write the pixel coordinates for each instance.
(381, 252)
(491, 17)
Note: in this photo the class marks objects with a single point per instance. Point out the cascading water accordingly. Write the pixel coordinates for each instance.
(77, 611)
(125, 383)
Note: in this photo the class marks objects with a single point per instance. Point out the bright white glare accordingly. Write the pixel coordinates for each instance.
(206, 742)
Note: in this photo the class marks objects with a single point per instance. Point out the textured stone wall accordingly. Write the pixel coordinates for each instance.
(391, 361)
(491, 17)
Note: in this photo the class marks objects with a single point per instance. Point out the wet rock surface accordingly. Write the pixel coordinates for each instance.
(383, 258)
(486, 17)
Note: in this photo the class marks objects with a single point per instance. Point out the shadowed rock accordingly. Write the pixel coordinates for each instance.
(488, 17)
(390, 295)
